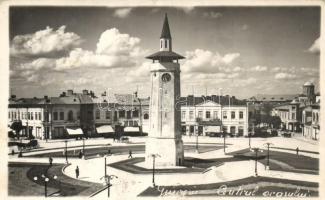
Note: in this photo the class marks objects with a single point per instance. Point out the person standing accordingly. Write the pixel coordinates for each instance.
(130, 153)
(297, 151)
(50, 160)
(77, 172)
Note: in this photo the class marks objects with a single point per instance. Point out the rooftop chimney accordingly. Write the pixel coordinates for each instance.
(69, 92)
(85, 92)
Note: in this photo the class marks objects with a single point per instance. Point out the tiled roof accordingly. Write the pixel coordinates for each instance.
(85, 99)
(65, 100)
(165, 54)
(224, 100)
(25, 101)
(126, 99)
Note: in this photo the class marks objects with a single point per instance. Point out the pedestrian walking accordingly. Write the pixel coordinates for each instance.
(77, 172)
(50, 160)
(81, 154)
(130, 154)
(297, 151)
(109, 152)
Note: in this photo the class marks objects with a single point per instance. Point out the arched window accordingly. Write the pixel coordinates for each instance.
(165, 43)
(70, 115)
(161, 44)
(146, 116)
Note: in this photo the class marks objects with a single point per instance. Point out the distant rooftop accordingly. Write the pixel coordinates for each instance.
(275, 97)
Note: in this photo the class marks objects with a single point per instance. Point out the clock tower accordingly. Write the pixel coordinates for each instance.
(165, 138)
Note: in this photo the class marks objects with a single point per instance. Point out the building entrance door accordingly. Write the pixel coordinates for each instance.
(200, 130)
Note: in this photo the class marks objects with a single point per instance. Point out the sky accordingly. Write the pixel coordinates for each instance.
(240, 51)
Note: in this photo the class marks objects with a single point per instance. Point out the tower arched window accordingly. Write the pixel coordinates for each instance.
(161, 44)
(165, 43)
(146, 116)
(70, 115)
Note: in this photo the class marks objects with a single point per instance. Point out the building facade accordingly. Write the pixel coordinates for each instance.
(290, 115)
(208, 117)
(311, 121)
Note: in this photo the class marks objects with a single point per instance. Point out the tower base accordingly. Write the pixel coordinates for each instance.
(170, 152)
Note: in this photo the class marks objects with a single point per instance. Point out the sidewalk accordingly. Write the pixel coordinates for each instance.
(129, 185)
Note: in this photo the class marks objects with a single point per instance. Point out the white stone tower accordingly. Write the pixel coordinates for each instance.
(165, 138)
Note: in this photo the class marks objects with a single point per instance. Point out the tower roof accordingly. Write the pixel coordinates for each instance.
(165, 33)
(165, 54)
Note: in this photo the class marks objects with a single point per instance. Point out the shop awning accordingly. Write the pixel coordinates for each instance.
(131, 129)
(77, 131)
(105, 129)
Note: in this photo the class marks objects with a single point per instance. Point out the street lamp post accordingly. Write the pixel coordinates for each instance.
(268, 155)
(66, 151)
(108, 179)
(249, 139)
(83, 146)
(224, 142)
(153, 168)
(105, 168)
(256, 150)
(46, 180)
(197, 142)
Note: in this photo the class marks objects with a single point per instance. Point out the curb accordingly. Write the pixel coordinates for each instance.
(99, 191)
(65, 166)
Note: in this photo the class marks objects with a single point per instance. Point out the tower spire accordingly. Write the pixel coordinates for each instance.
(165, 33)
(165, 53)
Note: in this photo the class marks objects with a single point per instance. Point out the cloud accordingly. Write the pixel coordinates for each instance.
(186, 9)
(206, 61)
(259, 68)
(212, 14)
(315, 47)
(244, 82)
(114, 50)
(112, 42)
(139, 73)
(122, 12)
(276, 69)
(78, 81)
(283, 75)
(44, 42)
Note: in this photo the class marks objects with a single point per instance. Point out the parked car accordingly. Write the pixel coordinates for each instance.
(286, 134)
(124, 139)
(214, 134)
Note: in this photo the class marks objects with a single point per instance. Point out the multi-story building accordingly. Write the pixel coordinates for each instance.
(79, 114)
(297, 115)
(310, 121)
(127, 110)
(290, 115)
(202, 115)
(30, 111)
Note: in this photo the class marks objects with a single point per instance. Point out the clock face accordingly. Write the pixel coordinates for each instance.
(166, 77)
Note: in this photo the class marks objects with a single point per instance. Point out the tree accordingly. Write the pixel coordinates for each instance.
(275, 121)
(17, 126)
